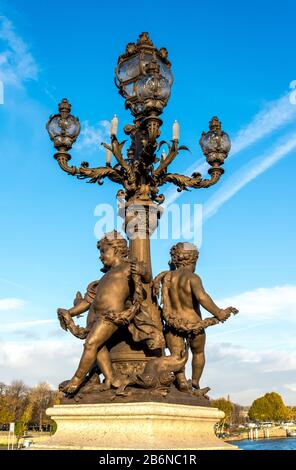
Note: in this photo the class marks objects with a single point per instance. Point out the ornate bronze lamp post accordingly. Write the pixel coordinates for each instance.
(144, 79)
(125, 333)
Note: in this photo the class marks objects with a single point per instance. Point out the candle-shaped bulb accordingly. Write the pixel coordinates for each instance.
(163, 154)
(108, 156)
(176, 130)
(114, 125)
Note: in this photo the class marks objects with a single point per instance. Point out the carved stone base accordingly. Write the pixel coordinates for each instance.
(142, 426)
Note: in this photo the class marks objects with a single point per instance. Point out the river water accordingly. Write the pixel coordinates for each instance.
(286, 443)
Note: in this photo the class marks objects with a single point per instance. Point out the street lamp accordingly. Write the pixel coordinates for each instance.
(215, 144)
(63, 128)
(144, 79)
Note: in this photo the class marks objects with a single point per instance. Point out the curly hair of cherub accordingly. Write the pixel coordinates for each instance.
(183, 254)
(116, 240)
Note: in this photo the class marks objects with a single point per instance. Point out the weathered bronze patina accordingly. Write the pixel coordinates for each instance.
(127, 329)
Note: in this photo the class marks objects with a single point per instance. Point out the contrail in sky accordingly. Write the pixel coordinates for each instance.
(246, 174)
(274, 115)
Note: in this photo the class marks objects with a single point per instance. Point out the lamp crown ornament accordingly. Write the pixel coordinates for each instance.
(64, 107)
(215, 124)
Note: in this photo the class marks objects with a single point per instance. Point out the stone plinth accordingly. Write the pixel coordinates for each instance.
(124, 426)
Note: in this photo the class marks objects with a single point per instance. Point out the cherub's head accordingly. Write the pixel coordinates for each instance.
(113, 248)
(183, 255)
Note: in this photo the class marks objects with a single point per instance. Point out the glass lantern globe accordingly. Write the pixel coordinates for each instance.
(215, 143)
(63, 128)
(143, 77)
(153, 86)
(127, 73)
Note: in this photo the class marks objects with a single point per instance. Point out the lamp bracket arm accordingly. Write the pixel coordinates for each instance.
(83, 172)
(116, 149)
(173, 152)
(195, 181)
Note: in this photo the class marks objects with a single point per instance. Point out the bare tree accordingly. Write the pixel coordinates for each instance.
(16, 395)
(42, 397)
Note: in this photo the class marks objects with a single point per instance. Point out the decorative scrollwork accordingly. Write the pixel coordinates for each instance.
(83, 172)
(195, 181)
(128, 179)
(173, 152)
(137, 173)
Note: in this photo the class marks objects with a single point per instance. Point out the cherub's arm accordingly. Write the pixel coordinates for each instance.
(79, 308)
(157, 281)
(140, 268)
(80, 305)
(207, 302)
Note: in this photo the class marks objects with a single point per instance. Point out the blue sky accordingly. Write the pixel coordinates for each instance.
(228, 59)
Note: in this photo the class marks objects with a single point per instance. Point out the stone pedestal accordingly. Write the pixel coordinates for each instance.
(143, 426)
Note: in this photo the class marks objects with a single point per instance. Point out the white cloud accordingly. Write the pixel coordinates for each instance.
(258, 354)
(11, 304)
(291, 387)
(16, 61)
(230, 368)
(24, 325)
(265, 303)
(221, 351)
(91, 136)
(247, 374)
(265, 361)
(37, 361)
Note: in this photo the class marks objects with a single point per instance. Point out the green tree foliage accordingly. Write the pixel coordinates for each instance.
(22, 424)
(270, 407)
(53, 428)
(226, 406)
(293, 413)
